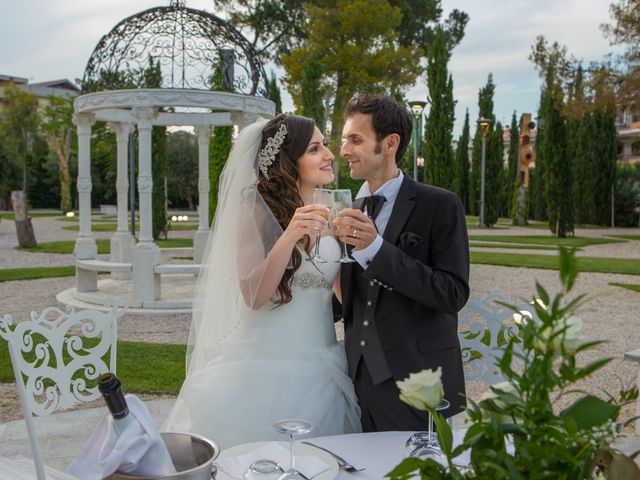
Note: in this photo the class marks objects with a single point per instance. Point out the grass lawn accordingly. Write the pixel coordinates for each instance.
(142, 367)
(112, 227)
(626, 236)
(66, 246)
(11, 216)
(515, 246)
(629, 286)
(551, 262)
(544, 240)
(9, 274)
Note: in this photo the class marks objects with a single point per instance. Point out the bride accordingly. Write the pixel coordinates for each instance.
(262, 345)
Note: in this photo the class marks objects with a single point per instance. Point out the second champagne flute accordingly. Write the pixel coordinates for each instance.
(342, 199)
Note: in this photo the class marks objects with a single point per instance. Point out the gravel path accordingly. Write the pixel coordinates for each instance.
(612, 313)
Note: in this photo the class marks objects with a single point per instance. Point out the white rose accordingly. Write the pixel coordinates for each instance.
(569, 339)
(422, 389)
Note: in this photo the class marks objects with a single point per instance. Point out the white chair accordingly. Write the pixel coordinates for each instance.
(484, 326)
(57, 358)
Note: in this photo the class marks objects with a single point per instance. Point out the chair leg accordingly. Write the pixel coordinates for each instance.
(86, 280)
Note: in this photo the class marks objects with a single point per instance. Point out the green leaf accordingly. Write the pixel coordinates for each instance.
(590, 411)
(405, 467)
(592, 367)
(568, 267)
(542, 294)
(444, 434)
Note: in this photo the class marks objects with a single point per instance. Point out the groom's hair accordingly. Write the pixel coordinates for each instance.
(387, 117)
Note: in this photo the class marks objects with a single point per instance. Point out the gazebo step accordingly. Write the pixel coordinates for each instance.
(103, 266)
(178, 268)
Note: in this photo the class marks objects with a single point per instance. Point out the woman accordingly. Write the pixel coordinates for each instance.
(262, 346)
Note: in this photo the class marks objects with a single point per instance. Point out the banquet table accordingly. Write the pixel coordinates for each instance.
(377, 452)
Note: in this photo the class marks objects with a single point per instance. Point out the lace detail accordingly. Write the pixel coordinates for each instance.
(310, 280)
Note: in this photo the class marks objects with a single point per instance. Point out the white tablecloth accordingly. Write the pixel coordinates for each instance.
(378, 452)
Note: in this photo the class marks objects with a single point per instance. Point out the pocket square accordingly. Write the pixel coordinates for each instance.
(410, 240)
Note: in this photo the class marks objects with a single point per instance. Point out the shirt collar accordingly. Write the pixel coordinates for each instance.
(388, 190)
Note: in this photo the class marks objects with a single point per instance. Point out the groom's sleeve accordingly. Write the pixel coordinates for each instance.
(443, 284)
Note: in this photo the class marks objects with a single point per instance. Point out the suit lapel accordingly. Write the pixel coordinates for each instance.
(402, 208)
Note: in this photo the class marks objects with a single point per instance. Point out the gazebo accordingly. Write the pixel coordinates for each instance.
(187, 44)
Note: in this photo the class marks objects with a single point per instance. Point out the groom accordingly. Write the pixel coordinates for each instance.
(411, 277)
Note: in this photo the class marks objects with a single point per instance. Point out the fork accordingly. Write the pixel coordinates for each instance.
(342, 463)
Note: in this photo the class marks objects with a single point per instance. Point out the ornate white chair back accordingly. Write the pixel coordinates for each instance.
(484, 325)
(57, 358)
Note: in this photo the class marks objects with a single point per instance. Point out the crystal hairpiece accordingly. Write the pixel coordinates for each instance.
(271, 149)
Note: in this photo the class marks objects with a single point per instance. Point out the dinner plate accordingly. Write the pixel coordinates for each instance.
(301, 449)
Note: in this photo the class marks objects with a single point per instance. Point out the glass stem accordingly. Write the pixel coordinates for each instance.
(317, 246)
(430, 428)
(293, 457)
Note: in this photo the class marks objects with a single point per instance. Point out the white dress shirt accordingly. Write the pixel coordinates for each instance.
(388, 190)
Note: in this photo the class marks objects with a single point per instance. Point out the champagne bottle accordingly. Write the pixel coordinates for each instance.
(111, 390)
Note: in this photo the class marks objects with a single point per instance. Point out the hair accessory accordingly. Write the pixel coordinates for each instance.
(268, 153)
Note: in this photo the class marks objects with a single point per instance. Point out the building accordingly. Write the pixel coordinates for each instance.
(628, 126)
(58, 88)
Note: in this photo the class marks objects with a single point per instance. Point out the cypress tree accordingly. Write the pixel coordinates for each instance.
(312, 92)
(485, 104)
(537, 204)
(557, 178)
(438, 152)
(461, 178)
(275, 94)
(493, 192)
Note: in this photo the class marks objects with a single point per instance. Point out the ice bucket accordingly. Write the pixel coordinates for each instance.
(192, 455)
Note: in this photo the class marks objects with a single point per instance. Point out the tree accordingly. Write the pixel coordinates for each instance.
(182, 150)
(438, 152)
(461, 178)
(494, 187)
(274, 92)
(485, 105)
(312, 93)
(511, 172)
(58, 125)
(18, 128)
(557, 178)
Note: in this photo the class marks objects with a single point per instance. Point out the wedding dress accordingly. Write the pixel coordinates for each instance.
(278, 363)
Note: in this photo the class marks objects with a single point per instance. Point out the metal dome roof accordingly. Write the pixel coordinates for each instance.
(187, 43)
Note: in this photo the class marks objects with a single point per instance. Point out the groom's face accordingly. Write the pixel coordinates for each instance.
(360, 147)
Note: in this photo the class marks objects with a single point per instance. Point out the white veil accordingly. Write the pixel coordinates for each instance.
(243, 233)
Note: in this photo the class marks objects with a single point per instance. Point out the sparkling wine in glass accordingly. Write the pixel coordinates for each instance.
(425, 444)
(324, 197)
(342, 199)
(292, 428)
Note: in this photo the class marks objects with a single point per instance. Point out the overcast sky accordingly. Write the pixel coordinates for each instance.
(46, 40)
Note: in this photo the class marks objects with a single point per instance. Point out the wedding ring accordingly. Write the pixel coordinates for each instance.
(355, 230)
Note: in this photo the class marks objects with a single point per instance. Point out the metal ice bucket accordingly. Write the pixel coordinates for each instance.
(192, 455)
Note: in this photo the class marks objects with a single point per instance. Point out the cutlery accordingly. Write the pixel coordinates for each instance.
(346, 466)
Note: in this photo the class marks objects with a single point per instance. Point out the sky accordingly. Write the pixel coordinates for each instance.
(47, 40)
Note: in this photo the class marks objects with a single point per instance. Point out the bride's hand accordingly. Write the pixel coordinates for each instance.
(308, 220)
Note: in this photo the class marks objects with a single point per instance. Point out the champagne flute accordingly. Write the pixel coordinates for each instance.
(342, 199)
(324, 197)
(292, 428)
(426, 444)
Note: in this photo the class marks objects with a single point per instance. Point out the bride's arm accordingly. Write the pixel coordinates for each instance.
(336, 287)
(260, 286)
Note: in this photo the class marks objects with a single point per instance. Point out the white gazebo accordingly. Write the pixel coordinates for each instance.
(188, 45)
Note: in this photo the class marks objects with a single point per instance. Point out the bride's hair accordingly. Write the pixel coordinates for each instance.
(280, 190)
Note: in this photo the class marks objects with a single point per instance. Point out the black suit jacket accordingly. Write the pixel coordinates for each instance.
(422, 278)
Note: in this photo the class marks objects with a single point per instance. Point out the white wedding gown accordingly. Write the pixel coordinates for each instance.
(277, 364)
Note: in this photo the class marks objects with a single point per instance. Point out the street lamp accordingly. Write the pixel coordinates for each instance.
(417, 107)
(484, 124)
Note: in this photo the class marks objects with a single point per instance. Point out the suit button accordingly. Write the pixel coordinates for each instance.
(365, 323)
(369, 303)
(371, 283)
(362, 343)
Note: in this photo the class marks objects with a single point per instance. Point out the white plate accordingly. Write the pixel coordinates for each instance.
(302, 450)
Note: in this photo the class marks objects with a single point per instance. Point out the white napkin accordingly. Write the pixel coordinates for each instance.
(139, 450)
(236, 466)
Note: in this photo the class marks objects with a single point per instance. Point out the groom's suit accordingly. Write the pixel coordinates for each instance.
(400, 313)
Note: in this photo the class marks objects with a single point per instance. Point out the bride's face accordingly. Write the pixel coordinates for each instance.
(316, 164)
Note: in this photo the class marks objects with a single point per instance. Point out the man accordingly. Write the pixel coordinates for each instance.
(411, 277)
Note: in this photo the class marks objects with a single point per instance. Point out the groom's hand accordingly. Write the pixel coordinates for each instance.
(354, 228)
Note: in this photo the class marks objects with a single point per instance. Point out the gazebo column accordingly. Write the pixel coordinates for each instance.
(200, 238)
(146, 254)
(243, 119)
(122, 241)
(85, 247)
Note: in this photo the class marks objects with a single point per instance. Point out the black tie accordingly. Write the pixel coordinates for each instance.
(373, 205)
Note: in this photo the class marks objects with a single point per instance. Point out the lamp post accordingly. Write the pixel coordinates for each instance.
(484, 124)
(417, 107)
